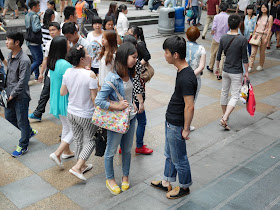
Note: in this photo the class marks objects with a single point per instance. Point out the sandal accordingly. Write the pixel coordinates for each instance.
(223, 123)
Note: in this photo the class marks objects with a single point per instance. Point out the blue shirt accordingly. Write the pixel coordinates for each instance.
(249, 26)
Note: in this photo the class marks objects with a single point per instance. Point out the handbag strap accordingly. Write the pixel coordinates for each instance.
(115, 89)
(225, 50)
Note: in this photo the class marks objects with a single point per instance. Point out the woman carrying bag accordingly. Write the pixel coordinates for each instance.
(260, 36)
(121, 79)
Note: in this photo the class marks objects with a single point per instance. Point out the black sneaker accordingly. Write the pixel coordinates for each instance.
(208, 68)
(177, 192)
(158, 184)
(203, 37)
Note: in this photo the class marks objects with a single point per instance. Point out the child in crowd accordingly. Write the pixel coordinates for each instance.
(82, 85)
(121, 78)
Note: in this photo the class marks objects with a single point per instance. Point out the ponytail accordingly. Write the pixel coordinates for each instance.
(120, 9)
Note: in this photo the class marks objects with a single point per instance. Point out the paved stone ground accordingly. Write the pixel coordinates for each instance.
(229, 169)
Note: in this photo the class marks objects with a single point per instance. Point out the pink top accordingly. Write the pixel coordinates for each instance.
(262, 25)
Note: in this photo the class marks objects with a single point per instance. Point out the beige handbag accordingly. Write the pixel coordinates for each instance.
(257, 37)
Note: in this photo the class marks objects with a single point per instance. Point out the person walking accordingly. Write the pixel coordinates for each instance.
(179, 115)
(18, 73)
(193, 5)
(81, 85)
(48, 18)
(80, 6)
(219, 28)
(263, 29)
(54, 29)
(195, 57)
(212, 7)
(249, 24)
(121, 78)
(13, 5)
(58, 104)
(234, 47)
(32, 19)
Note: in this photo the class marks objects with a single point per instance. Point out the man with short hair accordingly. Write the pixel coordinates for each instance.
(179, 115)
(54, 29)
(70, 15)
(32, 19)
(212, 7)
(70, 31)
(234, 47)
(18, 73)
(219, 28)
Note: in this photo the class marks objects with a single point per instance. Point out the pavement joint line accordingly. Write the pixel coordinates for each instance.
(272, 204)
(233, 170)
(247, 186)
(220, 144)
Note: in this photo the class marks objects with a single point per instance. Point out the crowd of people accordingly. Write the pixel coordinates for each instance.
(82, 70)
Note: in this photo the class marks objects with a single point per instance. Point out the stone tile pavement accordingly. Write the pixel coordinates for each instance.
(224, 165)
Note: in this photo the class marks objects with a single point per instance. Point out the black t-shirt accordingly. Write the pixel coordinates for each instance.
(186, 84)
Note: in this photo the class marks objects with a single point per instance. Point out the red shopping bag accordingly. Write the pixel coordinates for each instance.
(251, 103)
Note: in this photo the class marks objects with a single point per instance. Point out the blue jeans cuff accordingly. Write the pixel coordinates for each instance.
(185, 185)
(169, 179)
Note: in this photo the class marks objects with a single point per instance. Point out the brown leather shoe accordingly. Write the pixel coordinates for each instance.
(158, 184)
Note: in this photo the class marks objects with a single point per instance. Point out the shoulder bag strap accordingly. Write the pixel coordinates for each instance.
(225, 50)
(115, 89)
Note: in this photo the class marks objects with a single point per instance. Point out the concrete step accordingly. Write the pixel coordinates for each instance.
(138, 21)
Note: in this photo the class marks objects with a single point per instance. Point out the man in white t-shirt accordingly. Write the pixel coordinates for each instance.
(55, 30)
(70, 31)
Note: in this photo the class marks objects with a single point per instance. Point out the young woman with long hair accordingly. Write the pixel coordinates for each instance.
(107, 54)
(58, 104)
(108, 24)
(263, 29)
(249, 24)
(81, 85)
(112, 12)
(121, 78)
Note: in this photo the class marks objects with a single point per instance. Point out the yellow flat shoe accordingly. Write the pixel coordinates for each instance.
(115, 190)
(125, 186)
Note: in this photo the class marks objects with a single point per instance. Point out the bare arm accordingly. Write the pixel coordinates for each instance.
(93, 94)
(63, 90)
(188, 115)
(217, 9)
(43, 68)
(201, 66)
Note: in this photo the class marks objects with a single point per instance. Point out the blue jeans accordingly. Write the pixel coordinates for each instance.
(155, 6)
(37, 54)
(195, 13)
(249, 49)
(176, 157)
(168, 2)
(140, 130)
(2, 68)
(17, 114)
(2, 4)
(113, 141)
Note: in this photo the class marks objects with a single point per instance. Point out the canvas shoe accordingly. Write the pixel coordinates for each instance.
(19, 151)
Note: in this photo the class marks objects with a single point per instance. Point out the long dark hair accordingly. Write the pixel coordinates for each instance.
(112, 9)
(125, 50)
(111, 37)
(138, 32)
(261, 13)
(48, 18)
(51, 2)
(58, 50)
(120, 9)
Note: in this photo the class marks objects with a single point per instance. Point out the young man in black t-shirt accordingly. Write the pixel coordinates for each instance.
(179, 115)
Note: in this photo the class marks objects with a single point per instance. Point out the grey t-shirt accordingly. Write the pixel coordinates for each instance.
(236, 54)
(194, 2)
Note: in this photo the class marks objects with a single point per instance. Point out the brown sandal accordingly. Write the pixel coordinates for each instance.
(223, 123)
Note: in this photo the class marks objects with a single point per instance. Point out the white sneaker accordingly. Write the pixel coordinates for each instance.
(192, 128)
(259, 68)
(249, 69)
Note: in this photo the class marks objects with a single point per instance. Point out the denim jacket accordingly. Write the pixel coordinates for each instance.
(108, 92)
(35, 22)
